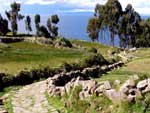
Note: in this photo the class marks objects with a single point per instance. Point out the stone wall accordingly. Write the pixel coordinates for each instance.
(62, 83)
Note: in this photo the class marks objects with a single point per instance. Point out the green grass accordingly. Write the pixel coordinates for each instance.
(10, 91)
(21, 56)
(103, 49)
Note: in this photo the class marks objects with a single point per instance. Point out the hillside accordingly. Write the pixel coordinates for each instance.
(16, 57)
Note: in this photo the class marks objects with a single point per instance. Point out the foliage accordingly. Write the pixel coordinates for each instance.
(54, 28)
(37, 20)
(63, 42)
(55, 19)
(89, 61)
(109, 15)
(127, 24)
(93, 29)
(3, 26)
(92, 50)
(28, 24)
(13, 15)
(44, 32)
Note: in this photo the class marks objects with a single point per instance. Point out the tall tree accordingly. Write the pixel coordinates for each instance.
(13, 15)
(54, 27)
(28, 24)
(110, 15)
(37, 23)
(49, 24)
(93, 28)
(3, 26)
(130, 26)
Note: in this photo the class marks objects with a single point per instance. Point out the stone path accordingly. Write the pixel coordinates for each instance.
(31, 99)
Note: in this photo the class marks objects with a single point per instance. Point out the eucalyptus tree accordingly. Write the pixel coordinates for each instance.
(129, 26)
(93, 28)
(3, 26)
(143, 40)
(110, 14)
(13, 15)
(28, 24)
(54, 27)
(37, 20)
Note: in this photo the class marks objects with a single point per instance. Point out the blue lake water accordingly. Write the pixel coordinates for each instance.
(71, 25)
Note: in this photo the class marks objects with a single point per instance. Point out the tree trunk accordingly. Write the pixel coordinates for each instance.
(112, 39)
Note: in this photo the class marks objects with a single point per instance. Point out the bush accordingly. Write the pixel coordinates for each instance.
(92, 50)
(8, 80)
(63, 42)
(95, 59)
(67, 67)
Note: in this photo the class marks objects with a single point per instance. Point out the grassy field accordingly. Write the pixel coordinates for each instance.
(139, 65)
(15, 57)
(20, 56)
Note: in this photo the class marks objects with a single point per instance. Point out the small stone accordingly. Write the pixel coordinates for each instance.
(107, 85)
(124, 89)
(117, 82)
(131, 98)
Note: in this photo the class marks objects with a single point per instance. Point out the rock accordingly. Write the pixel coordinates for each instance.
(107, 85)
(67, 87)
(132, 91)
(142, 84)
(117, 82)
(3, 111)
(83, 95)
(133, 49)
(99, 90)
(130, 83)
(135, 77)
(148, 80)
(124, 90)
(113, 95)
(131, 98)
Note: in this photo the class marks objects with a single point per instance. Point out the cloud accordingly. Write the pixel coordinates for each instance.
(141, 6)
(41, 2)
(82, 3)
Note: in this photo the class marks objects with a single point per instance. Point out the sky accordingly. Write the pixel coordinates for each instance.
(69, 6)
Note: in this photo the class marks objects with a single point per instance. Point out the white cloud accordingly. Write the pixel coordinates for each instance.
(142, 6)
(42, 2)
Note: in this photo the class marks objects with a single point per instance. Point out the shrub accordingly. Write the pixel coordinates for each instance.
(67, 67)
(63, 42)
(23, 78)
(95, 59)
(8, 80)
(92, 50)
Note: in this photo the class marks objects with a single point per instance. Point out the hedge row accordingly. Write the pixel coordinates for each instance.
(26, 77)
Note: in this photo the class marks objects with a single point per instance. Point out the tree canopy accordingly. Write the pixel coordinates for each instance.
(127, 24)
(13, 15)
